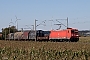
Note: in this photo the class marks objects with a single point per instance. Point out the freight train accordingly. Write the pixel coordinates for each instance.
(69, 34)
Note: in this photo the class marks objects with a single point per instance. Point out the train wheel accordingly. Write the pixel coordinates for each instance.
(71, 39)
(74, 39)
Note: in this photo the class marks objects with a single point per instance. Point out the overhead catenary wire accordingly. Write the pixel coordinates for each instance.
(42, 23)
(83, 20)
(58, 25)
(80, 22)
(61, 23)
(28, 27)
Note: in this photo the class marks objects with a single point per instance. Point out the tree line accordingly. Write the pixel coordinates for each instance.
(6, 31)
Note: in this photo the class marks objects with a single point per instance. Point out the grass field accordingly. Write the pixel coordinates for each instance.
(28, 50)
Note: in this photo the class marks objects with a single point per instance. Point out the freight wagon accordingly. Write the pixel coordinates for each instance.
(43, 36)
(15, 36)
(25, 35)
(40, 35)
(10, 36)
(28, 35)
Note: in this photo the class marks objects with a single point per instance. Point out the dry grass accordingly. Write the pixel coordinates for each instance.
(84, 42)
(84, 39)
(82, 47)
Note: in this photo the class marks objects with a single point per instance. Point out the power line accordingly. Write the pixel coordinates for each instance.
(80, 22)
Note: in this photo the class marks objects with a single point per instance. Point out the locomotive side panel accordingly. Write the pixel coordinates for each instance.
(60, 34)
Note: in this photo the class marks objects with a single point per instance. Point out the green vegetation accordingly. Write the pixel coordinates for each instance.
(8, 30)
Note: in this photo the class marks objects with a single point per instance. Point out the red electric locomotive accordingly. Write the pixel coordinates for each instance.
(69, 34)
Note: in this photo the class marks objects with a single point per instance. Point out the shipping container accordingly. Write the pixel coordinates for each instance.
(25, 35)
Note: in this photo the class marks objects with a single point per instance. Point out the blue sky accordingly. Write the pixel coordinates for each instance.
(77, 11)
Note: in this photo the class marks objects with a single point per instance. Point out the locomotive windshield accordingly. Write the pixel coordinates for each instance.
(74, 31)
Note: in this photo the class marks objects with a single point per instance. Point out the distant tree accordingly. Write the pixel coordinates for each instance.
(6, 31)
(83, 32)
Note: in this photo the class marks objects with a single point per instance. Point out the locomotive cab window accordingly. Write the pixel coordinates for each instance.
(76, 31)
(72, 31)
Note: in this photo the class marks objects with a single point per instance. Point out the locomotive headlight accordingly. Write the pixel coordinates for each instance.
(77, 35)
